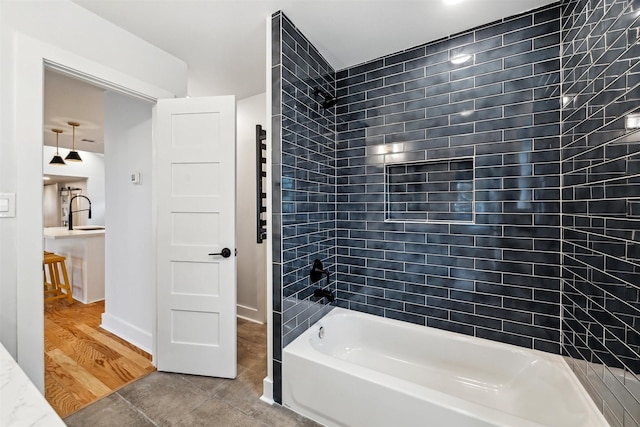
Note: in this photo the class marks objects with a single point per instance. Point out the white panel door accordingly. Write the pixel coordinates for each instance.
(196, 265)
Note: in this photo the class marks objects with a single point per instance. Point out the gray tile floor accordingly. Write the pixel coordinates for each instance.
(166, 399)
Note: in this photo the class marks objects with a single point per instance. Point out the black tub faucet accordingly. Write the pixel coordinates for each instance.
(317, 271)
(71, 211)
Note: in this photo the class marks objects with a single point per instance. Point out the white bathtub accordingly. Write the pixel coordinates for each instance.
(370, 371)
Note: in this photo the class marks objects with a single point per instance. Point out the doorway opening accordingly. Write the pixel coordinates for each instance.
(83, 361)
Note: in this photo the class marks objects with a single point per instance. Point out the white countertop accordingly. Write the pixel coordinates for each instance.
(21, 404)
(79, 231)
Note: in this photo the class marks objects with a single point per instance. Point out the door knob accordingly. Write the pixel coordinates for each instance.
(225, 252)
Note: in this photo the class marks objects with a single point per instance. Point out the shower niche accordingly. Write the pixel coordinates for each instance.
(430, 191)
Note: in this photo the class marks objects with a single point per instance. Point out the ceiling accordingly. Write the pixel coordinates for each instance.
(70, 100)
(224, 42)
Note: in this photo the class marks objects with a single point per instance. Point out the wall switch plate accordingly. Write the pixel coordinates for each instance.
(135, 178)
(7, 205)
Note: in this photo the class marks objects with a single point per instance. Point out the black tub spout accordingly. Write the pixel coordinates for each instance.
(324, 293)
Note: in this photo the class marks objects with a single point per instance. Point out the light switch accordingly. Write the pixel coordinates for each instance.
(7, 205)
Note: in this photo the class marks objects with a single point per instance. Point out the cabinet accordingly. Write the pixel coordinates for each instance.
(84, 250)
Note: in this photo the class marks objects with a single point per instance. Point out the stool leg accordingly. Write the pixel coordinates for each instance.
(56, 279)
(66, 282)
(53, 279)
(47, 285)
(52, 289)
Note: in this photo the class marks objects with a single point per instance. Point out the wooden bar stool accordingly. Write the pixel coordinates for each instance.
(58, 278)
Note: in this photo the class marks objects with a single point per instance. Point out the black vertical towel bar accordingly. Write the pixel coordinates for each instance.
(261, 162)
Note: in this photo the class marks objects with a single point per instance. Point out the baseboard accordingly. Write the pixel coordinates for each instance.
(127, 332)
(248, 313)
(267, 391)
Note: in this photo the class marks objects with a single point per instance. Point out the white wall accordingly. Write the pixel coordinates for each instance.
(129, 255)
(51, 206)
(66, 25)
(63, 33)
(251, 255)
(92, 168)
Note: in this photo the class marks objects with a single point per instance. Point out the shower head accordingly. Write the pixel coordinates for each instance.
(329, 102)
(328, 99)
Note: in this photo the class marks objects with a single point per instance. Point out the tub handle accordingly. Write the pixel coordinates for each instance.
(317, 270)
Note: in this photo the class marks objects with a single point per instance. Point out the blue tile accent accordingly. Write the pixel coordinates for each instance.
(600, 276)
(304, 181)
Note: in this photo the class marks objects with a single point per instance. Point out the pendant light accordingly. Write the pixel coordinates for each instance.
(73, 155)
(57, 160)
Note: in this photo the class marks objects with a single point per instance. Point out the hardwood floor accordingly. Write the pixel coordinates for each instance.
(82, 361)
(180, 400)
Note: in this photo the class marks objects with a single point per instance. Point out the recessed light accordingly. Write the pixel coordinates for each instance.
(460, 59)
(447, 2)
(46, 178)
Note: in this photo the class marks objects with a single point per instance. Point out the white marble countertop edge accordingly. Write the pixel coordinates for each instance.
(21, 404)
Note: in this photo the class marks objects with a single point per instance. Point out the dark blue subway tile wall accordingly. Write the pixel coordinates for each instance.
(304, 184)
(491, 94)
(601, 233)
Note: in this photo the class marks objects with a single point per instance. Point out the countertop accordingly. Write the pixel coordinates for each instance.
(79, 231)
(21, 404)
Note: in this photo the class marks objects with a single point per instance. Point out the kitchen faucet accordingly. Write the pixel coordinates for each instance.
(71, 211)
